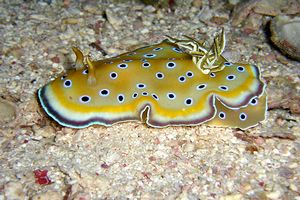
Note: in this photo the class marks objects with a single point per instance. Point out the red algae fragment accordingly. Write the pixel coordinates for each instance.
(41, 177)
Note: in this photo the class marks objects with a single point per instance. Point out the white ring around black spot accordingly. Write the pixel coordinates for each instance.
(121, 98)
(155, 96)
(177, 50)
(243, 116)
(181, 79)
(230, 77)
(67, 83)
(159, 75)
(222, 115)
(212, 75)
(171, 65)
(240, 68)
(86, 71)
(85, 99)
(145, 93)
(171, 96)
(146, 65)
(253, 101)
(104, 92)
(158, 49)
(113, 75)
(189, 74)
(223, 87)
(135, 95)
(140, 85)
(201, 86)
(188, 102)
(150, 55)
(123, 65)
(227, 64)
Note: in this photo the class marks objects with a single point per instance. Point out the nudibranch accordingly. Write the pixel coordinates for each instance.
(173, 83)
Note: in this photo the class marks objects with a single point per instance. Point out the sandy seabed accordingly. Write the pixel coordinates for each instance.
(131, 160)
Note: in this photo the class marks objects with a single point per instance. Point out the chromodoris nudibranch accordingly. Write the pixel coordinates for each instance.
(161, 81)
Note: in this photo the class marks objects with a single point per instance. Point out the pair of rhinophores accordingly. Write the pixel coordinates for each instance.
(173, 83)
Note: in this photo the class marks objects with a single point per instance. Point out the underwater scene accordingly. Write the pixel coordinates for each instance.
(149, 99)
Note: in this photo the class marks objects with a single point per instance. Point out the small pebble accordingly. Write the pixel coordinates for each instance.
(150, 9)
(232, 197)
(71, 20)
(45, 132)
(7, 112)
(14, 191)
(293, 187)
(145, 31)
(285, 35)
(81, 196)
(293, 165)
(286, 172)
(274, 194)
(48, 195)
(113, 19)
(92, 181)
(91, 9)
(189, 147)
(234, 2)
(197, 3)
(38, 17)
(129, 41)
